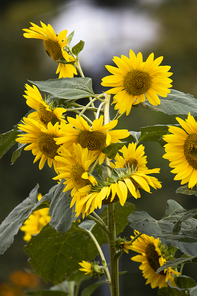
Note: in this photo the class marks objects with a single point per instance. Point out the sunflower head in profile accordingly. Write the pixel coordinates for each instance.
(41, 140)
(73, 167)
(151, 259)
(181, 150)
(54, 45)
(92, 268)
(44, 113)
(94, 138)
(35, 222)
(133, 80)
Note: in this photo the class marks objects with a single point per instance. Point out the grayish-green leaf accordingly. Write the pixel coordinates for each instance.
(7, 140)
(78, 47)
(112, 149)
(176, 103)
(67, 88)
(153, 133)
(91, 288)
(187, 191)
(17, 152)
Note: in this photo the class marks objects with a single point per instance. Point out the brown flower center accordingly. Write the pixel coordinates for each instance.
(76, 172)
(47, 145)
(137, 82)
(152, 256)
(190, 150)
(46, 116)
(132, 163)
(53, 49)
(93, 140)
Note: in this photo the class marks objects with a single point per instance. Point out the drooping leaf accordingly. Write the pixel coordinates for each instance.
(112, 149)
(78, 47)
(67, 88)
(17, 152)
(60, 254)
(7, 140)
(61, 214)
(177, 227)
(176, 102)
(187, 191)
(184, 282)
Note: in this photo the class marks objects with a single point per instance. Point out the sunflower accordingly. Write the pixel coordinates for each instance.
(74, 167)
(41, 140)
(54, 45)
(35, 222)
(86, 267)
(181, 150)
(114, 189)
(133, 81)
(151, 259)
(94, 138)
(134, 158)
(44, 113)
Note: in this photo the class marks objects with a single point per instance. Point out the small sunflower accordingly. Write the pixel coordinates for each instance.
(86, 267)
(181, 150)
(151, 259)
(54, 45)
(134, 158)
(114, 189)
(74, 168)
(133, 81)
(41, 140)
(44, 113)
(94, 138)
(35, 222)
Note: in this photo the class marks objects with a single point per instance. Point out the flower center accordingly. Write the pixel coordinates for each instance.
(47, 145)
(53, 49)
(132, 163)
(76, 172)
(152, 257)
(137, 82)
(93, 140)
(46, 116)
(190, 150)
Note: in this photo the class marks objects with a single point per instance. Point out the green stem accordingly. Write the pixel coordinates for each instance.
(102, 225)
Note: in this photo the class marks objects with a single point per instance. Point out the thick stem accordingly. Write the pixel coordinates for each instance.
(114, 260)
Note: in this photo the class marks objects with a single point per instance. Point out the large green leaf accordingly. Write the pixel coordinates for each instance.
(67, 88)
(185, 190)
(61, 214)
(178, 227)
(174, 291)
(112, 149)
(7, 140)
(153, 133)
(60, 254)
(176, 102)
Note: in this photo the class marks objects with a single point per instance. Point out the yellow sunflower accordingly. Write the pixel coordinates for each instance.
(94, 138)
(41, 140)
(134, 158)
(35, 222)
(151, 259)
(74, 168)
(133, 81)
(54, 45)
(44, 113)
(86, 267)
(181, 150)
(114, 189)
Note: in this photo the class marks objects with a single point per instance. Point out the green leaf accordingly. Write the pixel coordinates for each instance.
(7, 140)
(187, 191)
(112, 149)
(90, 289)
(45, 293)
(60, 254)
(153, 133)
(175, 216)
(17, 152)
(61, 214)
(67, 88)
(11, 225)
(176, 262)
(184, 282)
(176, 102)
(169, 291)
(70, 37)
(78, 47)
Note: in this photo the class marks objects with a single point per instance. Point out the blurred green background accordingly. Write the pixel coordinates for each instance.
(109, 28)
